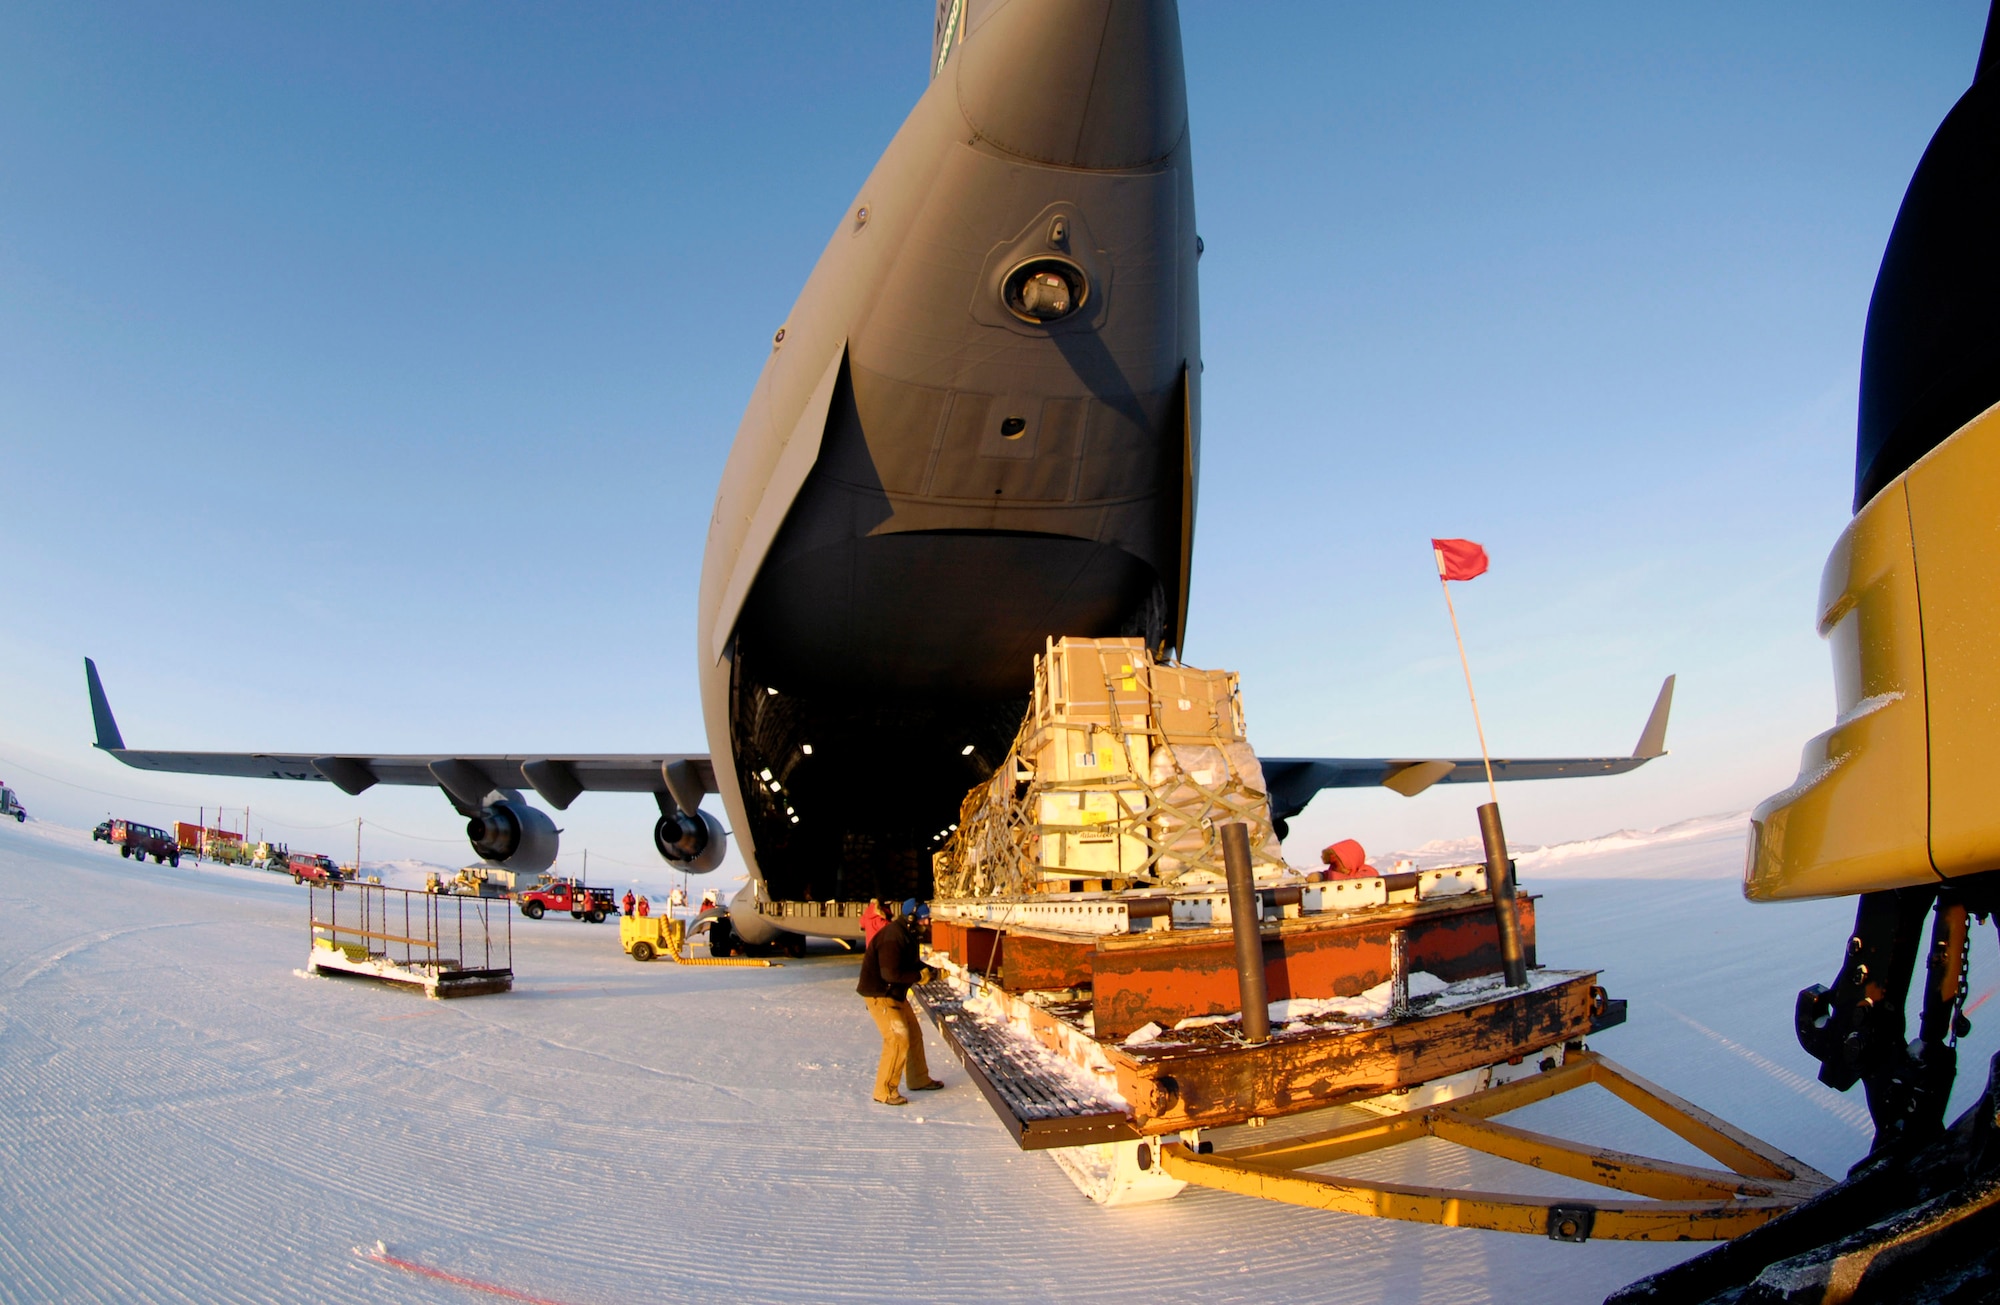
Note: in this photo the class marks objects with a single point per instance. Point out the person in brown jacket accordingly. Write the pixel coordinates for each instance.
(888, 968)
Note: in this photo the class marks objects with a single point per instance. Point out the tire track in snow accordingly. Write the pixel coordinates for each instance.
(1840, 1107)
(227, 1133)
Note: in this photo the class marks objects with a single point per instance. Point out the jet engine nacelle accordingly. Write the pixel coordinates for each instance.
(515, 835)
(691, 844)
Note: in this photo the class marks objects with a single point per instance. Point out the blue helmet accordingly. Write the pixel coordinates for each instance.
(909, 906)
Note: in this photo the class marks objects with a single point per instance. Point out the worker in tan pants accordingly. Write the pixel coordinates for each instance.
(888, 968)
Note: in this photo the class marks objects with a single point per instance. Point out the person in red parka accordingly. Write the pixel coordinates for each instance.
(644, 909)
(628, 901)
(872, 920)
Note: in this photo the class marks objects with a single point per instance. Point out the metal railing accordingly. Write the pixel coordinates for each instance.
(788, 909)
(413, 929)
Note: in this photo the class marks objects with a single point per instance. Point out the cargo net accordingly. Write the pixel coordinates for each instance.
(1117, 778)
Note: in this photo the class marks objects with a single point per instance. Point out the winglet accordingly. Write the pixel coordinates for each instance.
(108, 736)
(1653, 739)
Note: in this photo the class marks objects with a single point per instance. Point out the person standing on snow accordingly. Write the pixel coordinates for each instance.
(628, 901)
(872, 920)
(645, 908)
(888, 968)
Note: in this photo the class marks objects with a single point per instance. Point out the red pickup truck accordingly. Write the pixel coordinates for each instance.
(314, 866)
(592, 904)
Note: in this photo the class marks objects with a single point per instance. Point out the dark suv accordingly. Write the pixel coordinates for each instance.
(142, 841)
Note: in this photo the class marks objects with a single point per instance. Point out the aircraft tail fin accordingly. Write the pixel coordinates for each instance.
(949, 32)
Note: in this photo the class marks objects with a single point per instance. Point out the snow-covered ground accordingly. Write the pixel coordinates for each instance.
(184, 1118)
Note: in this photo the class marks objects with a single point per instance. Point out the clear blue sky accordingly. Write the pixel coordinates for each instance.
(366, 370)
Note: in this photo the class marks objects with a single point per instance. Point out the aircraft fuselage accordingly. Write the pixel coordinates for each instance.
(976, 429)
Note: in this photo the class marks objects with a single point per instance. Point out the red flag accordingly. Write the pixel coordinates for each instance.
(1458, 559)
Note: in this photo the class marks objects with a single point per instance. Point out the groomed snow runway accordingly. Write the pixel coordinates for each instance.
(185, 1118)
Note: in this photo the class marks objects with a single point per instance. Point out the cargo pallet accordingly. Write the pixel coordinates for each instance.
(1129, 962)
(444, 945)
(1104, 1028)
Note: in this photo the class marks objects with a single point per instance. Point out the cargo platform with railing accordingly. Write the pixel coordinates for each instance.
(447, 946)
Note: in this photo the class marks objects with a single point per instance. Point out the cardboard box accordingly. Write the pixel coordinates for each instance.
(1197, 706)
(1093, 681)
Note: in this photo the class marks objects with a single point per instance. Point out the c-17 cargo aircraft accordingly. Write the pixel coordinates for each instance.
(978, 428)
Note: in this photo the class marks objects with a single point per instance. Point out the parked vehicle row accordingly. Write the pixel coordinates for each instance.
(134, 839)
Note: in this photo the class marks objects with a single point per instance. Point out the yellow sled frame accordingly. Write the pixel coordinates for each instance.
(1686, 1202)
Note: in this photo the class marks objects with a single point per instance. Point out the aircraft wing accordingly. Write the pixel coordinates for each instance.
(466, 778)
(1292, 781)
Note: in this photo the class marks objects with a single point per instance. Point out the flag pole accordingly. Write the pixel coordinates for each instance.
(1478, 728)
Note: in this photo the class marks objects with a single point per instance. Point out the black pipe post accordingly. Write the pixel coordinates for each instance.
(1245, 918)
(1500, 882)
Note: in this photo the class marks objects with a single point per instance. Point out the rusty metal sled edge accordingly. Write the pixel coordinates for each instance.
(1678, 1202)
(1031, 1131)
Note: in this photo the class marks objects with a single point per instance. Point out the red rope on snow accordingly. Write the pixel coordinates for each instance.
(380, 1255)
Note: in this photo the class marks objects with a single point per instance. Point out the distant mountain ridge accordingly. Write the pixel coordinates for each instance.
(1700, 847)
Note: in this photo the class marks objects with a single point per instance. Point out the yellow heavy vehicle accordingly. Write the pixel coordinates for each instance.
(1899, 803)
(1904, 790)
(645, 937)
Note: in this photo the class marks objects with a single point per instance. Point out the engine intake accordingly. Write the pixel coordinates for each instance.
(691, 844)
(515, 835)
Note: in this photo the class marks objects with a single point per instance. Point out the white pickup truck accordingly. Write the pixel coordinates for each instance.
(10, 805)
